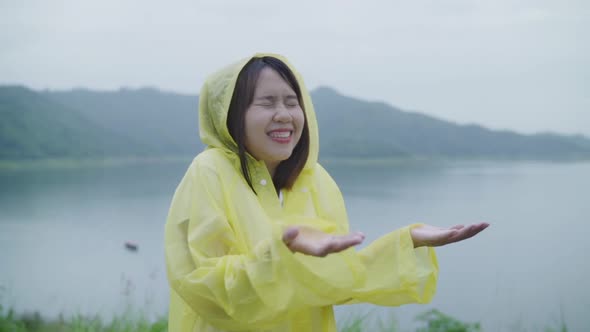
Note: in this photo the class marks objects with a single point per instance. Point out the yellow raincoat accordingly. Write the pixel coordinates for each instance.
(227, 266)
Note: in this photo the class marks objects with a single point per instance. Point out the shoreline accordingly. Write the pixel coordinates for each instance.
(77, 163)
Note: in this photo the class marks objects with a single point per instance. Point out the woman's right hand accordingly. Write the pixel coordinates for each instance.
(313, 242)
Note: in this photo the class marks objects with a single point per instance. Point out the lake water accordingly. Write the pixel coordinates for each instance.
(62, 235)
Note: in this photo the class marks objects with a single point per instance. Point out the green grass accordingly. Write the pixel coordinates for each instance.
(128, 322)
(359, 323)
(430, 321)
(436, 321)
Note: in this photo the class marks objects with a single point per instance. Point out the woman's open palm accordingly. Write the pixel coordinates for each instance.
(432, 236)
(314, 242)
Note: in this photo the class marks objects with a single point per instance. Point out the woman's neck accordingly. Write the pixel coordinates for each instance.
(271, 167)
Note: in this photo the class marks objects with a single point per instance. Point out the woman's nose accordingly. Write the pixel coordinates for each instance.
(282, 114)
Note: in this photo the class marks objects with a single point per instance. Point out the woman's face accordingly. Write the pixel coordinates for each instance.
(274, 120)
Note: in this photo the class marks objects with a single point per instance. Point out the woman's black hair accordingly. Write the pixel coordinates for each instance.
(288, 170)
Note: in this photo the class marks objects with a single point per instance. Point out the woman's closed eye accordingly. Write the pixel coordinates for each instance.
(265, 101)
(265, 105)
(291, 101)
(288, 104)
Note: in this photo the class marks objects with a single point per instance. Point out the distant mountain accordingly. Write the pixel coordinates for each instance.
(34, 126)
(148, 122)
(352, 126)
(165, 122)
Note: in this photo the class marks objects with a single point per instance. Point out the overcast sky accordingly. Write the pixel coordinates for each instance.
(520, 65)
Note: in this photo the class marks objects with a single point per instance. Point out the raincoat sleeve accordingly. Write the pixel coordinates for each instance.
(235, 288)
(396, 273)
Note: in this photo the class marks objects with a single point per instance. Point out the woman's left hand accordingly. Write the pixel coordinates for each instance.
(432, 236)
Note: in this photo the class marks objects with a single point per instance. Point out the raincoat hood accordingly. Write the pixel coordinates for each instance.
(215, 99)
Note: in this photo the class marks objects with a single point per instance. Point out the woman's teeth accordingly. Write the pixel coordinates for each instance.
(280, 134)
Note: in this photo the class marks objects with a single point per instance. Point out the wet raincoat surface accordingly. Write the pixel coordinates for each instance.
(228, 267)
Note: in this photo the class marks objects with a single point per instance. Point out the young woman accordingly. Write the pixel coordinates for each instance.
(257, 236)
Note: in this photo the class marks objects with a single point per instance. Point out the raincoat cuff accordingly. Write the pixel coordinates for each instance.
(398, 273)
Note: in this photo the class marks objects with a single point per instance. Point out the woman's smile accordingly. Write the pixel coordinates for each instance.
(282, 136)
